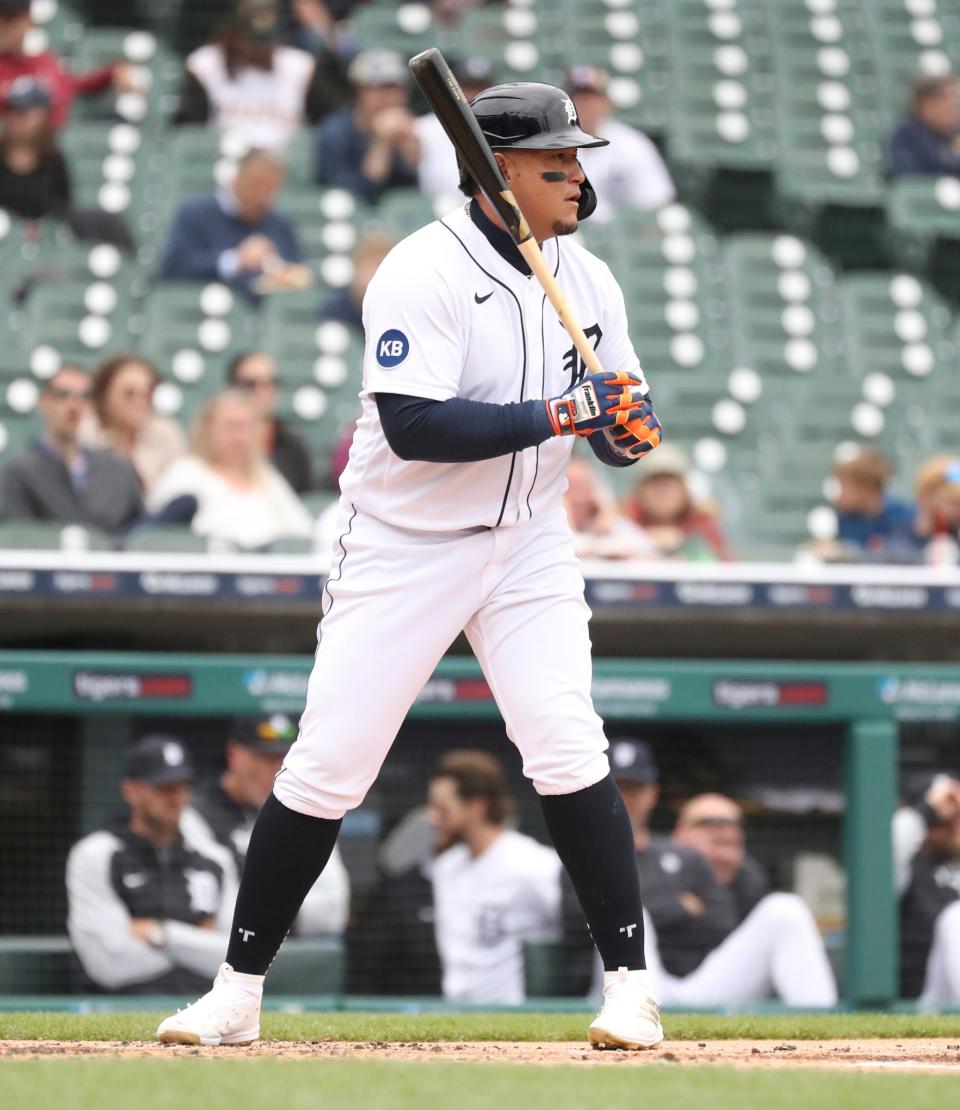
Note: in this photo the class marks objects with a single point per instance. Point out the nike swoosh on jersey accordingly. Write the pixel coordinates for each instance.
(134, 881)
(480, 300)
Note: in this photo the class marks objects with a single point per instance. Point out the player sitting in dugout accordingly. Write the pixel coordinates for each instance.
(146, 909)
(493, 887)
(224, 807)
(926, 855)
(714, 936)
(454, 922)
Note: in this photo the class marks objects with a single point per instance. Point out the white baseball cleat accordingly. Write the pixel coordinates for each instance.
(630, 1017)
(229, 1013)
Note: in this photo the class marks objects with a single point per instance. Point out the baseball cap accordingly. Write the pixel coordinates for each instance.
(377, 67)
(158, 760)
(632, 761)
(271, 735)
(26, 93)
(14, 7)
(586, 79)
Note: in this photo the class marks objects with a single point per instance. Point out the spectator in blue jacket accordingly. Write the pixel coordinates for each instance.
(236, 236)
(371, 146)
(928, 141)
(870, 519)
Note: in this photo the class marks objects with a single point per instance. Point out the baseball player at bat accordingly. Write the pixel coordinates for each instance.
(451, 520)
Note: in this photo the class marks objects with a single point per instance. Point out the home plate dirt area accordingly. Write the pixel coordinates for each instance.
(908, 1055)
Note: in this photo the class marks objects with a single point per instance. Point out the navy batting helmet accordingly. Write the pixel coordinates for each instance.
(529, 115)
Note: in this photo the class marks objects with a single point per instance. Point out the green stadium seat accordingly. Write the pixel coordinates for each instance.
(403, 211)
(81, 320)
(32, 965)
(31, 535)
(309, 966)
(830, 195)
(165, 537)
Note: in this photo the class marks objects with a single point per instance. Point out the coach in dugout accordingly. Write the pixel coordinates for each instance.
(926, 855)
(143, 905)
(223, 809)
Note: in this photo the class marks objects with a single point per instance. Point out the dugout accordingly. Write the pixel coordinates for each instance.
(827, 732)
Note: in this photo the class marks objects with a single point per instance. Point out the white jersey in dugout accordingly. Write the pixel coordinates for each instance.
(486, 907)
(447, 316)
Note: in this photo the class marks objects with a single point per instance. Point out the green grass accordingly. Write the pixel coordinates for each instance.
(487, 1027)
(179, 1084)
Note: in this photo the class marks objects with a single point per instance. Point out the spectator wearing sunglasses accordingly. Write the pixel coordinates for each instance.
(57, 479)
(122, 418)
(255, 372)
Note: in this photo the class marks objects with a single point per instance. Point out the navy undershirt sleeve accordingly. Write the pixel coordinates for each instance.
(458, 430)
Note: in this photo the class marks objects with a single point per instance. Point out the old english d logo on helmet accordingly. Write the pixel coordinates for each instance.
(528, 115)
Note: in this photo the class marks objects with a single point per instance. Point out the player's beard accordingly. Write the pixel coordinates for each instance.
(564, 227)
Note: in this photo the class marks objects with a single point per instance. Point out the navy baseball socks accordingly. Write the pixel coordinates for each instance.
(593, 837)
(287, 852)
(592, 834)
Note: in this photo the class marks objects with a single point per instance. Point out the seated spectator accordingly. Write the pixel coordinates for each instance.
(344, 304)
(248, 84)
(937, 526)
(223, 810)
(869, 518)
(236, 236)
(146, 912)
(255, 372)
(241, 498)
(48, 68)
(122, 418)
(926, 856)
(493, 889)
(600, 531)
(371, 146)
(437, 170)
(928, 140)
(629, 173)
(662, 504)
(34, 179)
(59, 480)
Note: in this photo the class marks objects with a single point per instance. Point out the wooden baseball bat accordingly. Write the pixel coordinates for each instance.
(446, 98)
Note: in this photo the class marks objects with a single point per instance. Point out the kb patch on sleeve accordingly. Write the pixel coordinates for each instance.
(392, 348)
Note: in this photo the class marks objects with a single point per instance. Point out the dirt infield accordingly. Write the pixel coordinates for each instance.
(934, 1055)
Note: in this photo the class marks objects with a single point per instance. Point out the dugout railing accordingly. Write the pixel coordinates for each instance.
(867, 700)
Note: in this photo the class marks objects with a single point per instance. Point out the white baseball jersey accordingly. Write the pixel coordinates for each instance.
(447, 316)
(629, 173)
(486, 907)
(265, 106)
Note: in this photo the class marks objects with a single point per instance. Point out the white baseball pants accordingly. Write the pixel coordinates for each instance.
(395, 601)
(776, 950)
(941, 986)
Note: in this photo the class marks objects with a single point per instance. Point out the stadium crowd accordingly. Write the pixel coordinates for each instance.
(263, 74)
